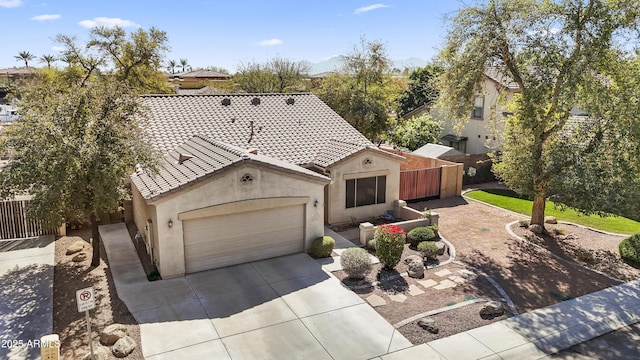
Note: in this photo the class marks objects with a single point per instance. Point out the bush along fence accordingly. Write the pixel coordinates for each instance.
(411, 219)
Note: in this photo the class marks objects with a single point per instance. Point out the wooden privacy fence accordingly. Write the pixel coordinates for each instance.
(420, 184)
(14, 223)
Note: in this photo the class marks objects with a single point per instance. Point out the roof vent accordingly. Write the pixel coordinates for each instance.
(291, 101)
(226, 102)
(253, 151)
(183, 158)
(255, 101)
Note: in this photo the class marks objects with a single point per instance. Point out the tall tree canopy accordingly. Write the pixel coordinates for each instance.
(563, 55)
(414, 133)
(364, 93)
(422, 89)
(25, 56)
(277, 75)
(79, 137)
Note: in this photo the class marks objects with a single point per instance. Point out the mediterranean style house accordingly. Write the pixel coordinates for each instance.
(251, 176)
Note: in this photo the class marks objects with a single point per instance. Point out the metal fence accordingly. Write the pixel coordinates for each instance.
(14, 223)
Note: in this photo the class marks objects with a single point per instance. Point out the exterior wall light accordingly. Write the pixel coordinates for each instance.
(315, 203)
(170, 223)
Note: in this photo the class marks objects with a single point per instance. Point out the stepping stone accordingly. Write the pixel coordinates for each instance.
(398, 298)
(375, 300)
(443, 273)
(457, 279)
(415, 291)
(428, 283)
(445, 284)
(469, 275)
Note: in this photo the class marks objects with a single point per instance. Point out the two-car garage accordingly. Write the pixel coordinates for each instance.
(229, 239)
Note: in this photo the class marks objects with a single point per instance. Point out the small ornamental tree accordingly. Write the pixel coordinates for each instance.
(390, 241)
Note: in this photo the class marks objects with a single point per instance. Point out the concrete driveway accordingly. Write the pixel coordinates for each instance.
(285, 307)
(26, 296)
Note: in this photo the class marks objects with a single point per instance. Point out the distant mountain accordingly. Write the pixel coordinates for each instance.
(334, 63)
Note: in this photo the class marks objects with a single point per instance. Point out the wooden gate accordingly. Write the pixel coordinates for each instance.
(14, 223)
(420, 184)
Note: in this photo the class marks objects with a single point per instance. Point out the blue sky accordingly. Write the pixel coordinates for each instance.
(225, 33)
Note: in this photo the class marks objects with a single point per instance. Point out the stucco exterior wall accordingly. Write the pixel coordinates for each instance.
(227, 191)
(482, 133)
(142, 212)
(356, 167)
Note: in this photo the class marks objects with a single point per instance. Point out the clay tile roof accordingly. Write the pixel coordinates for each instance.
(496, 75)
(288, 127)
(198, 158)
(334, 151)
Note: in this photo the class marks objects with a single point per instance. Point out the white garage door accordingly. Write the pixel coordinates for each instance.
(224, 240)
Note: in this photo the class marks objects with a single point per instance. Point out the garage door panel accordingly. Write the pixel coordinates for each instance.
(232, 239)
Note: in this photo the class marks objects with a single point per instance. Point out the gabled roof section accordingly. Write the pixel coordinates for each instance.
(200, 157)
(437, 151)
(289, 127)
(202, 74)
(500, 78)
(335, 151)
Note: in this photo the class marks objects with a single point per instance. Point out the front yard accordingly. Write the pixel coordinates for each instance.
(534, 272)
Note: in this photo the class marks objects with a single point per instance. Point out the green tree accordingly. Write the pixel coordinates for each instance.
(184, 63)
(422, 89)
(278, 75)
(25, 56)
(48, 59)
(415, 132)
(562, 55)
(78, 138)
(364, 93)
(171, 66)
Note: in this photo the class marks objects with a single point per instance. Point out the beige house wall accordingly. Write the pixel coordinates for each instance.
(143, 217)
(482, 134)
(356, 167)
(226, 193)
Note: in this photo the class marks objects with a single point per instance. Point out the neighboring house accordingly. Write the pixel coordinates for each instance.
(252, 176)
(480, 132)
(200, 78)
(8, 114)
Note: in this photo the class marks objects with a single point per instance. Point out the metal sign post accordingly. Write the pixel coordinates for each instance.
(85, 298)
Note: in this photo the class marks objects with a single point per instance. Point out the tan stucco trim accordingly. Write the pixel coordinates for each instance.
(365, 174)
(371, 149)
(242, 206)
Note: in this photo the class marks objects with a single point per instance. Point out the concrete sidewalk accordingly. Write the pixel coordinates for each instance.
(285, 307)
(539, 333)
(26, 297)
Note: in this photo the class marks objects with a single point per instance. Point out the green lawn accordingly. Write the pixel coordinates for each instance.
(509, 200)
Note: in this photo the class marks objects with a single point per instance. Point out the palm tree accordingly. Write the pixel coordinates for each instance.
(172, 66)
(47, 59)
(183, 63)
(24, 56)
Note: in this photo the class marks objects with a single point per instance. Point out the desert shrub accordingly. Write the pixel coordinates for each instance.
(434, 228)
(372, 244)
(390, 241)
(429, 249)
(630, 249)
(420, 234)
(523, 223)
(355, 262)
(322, 247)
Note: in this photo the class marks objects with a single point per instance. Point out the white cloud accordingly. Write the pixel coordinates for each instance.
(364, 9)
(46, 17)
(107, 22)
(10, 3)
(270, 42)
(58, 48)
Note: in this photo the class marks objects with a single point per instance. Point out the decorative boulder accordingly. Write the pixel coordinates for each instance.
(99, 352)
(123, 347)
(491, 310)
(429, 325)
(550, 220)
(412, 258)
(75, 247)
(112, 333)
(441, 247)
(415, 266)
(536, 228)
(79, 257)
